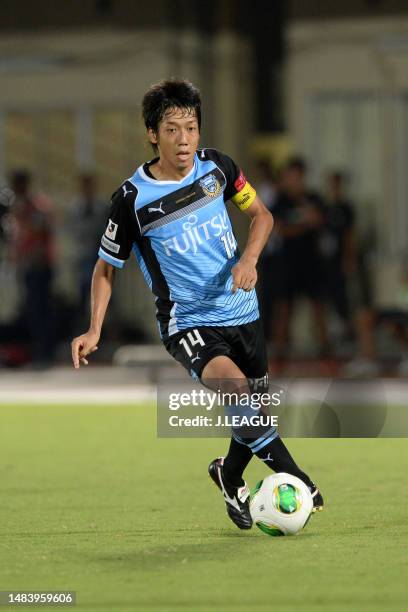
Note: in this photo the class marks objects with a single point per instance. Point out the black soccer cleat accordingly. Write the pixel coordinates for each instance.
(318, 503)
(236, 498)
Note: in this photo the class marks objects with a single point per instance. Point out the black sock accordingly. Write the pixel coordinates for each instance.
(277, 457)
(239, 455)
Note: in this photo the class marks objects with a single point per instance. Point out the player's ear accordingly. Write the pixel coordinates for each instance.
(152, 136)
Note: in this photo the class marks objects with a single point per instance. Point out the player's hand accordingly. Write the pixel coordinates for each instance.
(82, 346)
(244, 274)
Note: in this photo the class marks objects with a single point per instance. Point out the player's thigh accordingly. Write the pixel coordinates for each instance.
(221, 367)
(222, 374)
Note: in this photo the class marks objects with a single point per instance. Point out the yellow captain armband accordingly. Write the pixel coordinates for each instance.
(244, 198)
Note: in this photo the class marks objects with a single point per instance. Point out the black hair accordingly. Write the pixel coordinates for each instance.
(338, 176)
(168, 94)
(21, 177)
(296, 163)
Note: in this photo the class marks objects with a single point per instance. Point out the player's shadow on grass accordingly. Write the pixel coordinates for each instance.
(213, 547)
(152, 557)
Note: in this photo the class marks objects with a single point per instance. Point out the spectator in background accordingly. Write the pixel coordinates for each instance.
(299, 217)
(32, 248)
(265, 180)
(365, 364)
(87, 222)
(348, 277)
(395, 319)
(265, 184)
(338, 248)
(6, 198)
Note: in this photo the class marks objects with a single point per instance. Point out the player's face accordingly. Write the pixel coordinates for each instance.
(177, 139)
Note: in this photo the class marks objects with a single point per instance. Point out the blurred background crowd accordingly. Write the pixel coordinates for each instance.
(317, 256)
(310, 99)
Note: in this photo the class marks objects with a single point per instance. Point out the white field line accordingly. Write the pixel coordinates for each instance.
(87, 395)
(393, 392)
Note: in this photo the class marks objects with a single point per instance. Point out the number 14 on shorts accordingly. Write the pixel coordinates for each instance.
(190, 340)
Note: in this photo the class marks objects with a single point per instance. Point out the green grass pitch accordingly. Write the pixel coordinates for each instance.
(92, 501)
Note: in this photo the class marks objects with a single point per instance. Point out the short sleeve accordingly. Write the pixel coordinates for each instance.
(121, 227)
(238, 189)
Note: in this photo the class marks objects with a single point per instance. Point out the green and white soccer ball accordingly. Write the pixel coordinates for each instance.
(281, 504)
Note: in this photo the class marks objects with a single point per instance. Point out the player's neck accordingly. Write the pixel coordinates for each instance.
(165, 171)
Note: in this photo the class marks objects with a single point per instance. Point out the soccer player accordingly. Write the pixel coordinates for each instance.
(172, 214)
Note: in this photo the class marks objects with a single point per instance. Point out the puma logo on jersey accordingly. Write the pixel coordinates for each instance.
(159, 209)
(126, 191)
(196, 358)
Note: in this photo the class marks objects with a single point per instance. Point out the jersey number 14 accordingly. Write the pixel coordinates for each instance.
(230, 244)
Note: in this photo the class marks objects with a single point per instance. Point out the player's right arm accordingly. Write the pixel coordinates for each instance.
(116, 245)
(101, 291)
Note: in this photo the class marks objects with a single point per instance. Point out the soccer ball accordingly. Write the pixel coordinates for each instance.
(281, 504)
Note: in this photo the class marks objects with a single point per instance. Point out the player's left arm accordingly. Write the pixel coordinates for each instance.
(244, 273)
(243, 196)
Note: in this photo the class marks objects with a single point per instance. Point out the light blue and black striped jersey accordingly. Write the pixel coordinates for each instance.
(182, 237)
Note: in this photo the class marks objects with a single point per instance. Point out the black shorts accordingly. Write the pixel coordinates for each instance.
(244, 344)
